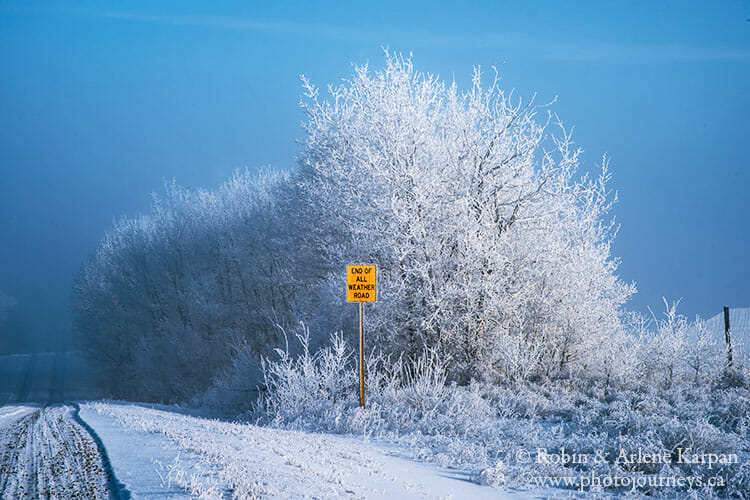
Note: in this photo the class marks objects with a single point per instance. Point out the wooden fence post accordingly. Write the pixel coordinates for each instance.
(728, 336)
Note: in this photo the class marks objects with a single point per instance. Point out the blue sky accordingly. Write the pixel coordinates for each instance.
(104, 101)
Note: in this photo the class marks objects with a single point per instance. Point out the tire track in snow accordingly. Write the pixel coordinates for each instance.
(13, 436)
(50, 453)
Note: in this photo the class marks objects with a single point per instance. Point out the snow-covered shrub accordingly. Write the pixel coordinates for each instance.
(494, 476)
(312, 387)
(674, 352)
(320, 390)
(487, 427)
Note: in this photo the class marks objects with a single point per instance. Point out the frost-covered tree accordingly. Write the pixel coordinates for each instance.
(491, 252)
(168, 296)
(483, 236)
(671, 351)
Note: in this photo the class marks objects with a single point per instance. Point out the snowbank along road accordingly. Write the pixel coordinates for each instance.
(211, 459)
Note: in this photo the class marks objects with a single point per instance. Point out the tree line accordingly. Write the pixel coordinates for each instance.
(492, 250)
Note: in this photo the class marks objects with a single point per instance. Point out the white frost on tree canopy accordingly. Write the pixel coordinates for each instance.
(488, 248)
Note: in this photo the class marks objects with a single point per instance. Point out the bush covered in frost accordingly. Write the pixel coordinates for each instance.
(499, 432)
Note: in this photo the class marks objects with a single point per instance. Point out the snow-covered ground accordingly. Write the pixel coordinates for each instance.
(120, 451)
(129, 451)
(179, 454)
(147, 464)
(59, 451)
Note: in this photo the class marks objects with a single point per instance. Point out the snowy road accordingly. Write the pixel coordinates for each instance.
(59, 452)
(46, 453)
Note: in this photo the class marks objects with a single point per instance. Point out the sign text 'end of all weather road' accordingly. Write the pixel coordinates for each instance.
(360, 283)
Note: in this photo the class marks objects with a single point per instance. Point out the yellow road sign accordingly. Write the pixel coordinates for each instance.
(360, 283)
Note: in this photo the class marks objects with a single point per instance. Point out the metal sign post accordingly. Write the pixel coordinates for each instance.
(361, 287)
